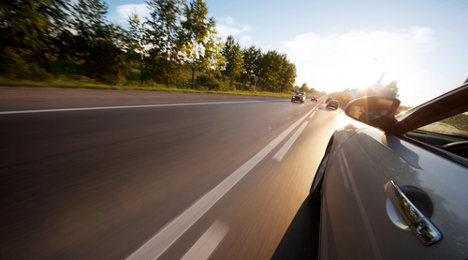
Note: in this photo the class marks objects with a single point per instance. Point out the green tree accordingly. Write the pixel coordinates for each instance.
(390, 90)
(136, 44)
(28, 27)
(100, 45)
(197, 29)
(304, 88)
(164, 36)
(252, 63)
(233, 64)
(288, 75)
(213, 54)
(277, 74)
(271, 67)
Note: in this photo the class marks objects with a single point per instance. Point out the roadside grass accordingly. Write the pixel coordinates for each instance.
(57, 83)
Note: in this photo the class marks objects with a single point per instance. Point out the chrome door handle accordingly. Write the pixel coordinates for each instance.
(423, 228)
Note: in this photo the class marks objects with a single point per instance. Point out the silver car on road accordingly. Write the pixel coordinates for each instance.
(396, 187)
(299, 96)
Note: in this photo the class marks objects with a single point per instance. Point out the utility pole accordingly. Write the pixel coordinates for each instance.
(386, 66)
(255, 86)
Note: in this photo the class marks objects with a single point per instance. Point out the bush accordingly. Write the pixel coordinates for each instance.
(39, 74)
(111, 79)
(202, 80)
(82, 78)
(218, 85)
(15, 66)
(213, 83)
(64, 68)
(134, 76)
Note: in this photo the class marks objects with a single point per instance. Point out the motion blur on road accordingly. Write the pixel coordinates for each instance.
(190, 179)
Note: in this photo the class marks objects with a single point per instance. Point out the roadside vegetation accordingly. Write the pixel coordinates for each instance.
(158, 87)
(346, 96)
(59, 43)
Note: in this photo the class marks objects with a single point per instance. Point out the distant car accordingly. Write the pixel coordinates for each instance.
(328, 99)
(314, 99)
(395, 187)
(333, 104)
(299, 96)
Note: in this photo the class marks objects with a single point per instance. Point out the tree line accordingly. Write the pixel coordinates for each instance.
(177, 45)
(376, 89)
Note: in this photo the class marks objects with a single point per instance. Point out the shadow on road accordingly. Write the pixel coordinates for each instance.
(301, 239)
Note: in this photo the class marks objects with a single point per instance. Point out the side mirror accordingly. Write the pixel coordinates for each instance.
(374, 110)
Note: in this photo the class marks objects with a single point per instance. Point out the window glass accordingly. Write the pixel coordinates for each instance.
(456, 125)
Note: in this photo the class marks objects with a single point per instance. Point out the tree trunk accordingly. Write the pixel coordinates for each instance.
(167, 73)
(141, 70)
(193, 77)
(45, 61)
(16, 39)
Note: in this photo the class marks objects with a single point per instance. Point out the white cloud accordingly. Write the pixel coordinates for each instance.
(245, 40)
(227, 26)
(334, 62)
(120, 16)
(227, 20)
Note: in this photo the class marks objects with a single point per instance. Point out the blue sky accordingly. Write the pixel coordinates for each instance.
(421, 44)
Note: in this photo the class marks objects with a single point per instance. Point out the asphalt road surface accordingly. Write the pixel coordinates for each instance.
(213, 179)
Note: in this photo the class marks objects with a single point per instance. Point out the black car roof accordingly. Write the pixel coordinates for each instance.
(449, 104)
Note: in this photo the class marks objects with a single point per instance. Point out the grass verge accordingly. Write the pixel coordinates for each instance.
(157, 87)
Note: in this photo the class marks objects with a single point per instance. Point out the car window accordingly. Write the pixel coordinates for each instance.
(455, 126)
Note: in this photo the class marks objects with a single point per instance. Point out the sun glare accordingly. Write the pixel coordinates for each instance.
(362, 72)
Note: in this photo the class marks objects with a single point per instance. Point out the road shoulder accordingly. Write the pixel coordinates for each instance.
(10, 95)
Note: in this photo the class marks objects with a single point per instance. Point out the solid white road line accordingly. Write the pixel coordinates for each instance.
(165, 237)
(280, 154)
(118, 107)
(207, 243)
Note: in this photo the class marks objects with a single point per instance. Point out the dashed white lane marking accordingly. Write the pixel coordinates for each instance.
(165, 237)
(207, 243)
(313, 114)
(280, 154)
(118, 107)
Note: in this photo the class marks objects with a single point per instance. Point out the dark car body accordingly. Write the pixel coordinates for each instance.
(333, 104)
(314, 99)
(299, 96)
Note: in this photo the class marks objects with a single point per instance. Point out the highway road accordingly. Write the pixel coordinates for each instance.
(225, 179)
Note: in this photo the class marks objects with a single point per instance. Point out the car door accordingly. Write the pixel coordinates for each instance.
(359, 221)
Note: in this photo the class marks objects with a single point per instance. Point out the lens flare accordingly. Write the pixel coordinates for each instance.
(131, 200)
(349, 95)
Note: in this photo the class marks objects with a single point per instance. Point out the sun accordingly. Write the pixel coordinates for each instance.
(364, 71)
